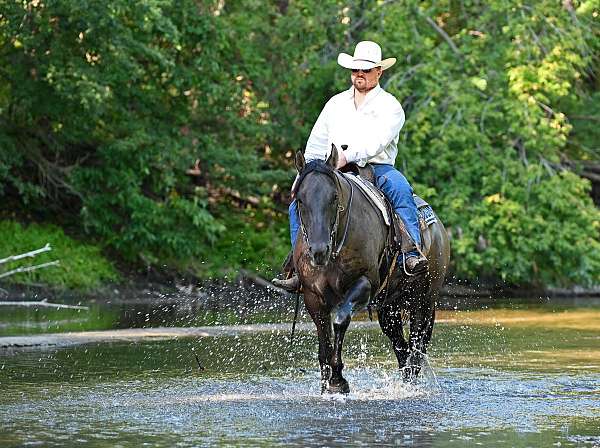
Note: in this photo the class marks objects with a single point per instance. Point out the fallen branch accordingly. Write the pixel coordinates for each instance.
(45, 304)
(30, 268)
(33, 253)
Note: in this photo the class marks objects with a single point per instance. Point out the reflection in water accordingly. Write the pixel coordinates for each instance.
(482, 406)
(498, 384)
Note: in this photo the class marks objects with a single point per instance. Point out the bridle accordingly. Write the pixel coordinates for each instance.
(339, 209)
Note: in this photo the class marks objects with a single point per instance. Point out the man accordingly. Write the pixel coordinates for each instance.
(366, 120)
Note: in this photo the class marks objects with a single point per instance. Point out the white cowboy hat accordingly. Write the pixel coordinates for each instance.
(367, 55)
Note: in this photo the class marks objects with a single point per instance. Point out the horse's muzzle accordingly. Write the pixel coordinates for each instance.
(319, 254)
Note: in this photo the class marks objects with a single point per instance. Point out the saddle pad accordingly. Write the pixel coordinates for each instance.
(427, 214)
(371, 192)
(425, 211)
(376, 197)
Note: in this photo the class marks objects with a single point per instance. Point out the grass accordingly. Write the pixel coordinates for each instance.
(82, 265)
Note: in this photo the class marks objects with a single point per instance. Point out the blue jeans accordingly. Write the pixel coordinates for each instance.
(398, 191)
(294, 222)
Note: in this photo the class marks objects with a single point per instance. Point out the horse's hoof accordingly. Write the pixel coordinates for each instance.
(407, 375)
(339, 388)
(410, 374)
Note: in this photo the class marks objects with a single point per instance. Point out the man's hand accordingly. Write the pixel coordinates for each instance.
(342, 161)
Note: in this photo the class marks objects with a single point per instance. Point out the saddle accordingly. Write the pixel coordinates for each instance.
(399, 238)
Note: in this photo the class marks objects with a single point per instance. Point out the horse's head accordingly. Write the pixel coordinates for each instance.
(317, 196)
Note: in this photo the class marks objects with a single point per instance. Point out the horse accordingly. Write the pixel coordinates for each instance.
(337, 257)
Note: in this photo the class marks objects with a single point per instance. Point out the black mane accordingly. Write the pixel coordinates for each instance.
(319, 166)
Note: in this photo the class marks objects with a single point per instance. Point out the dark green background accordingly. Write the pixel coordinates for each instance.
(105, 105)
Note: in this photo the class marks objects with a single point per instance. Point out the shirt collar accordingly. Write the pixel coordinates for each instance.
(372, 94)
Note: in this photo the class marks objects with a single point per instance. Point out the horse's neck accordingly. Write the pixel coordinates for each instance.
(346, 198)
(343, 186)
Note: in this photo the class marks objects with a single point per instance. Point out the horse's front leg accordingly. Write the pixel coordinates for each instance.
(320, 315)
(356, 298)
(337, 383)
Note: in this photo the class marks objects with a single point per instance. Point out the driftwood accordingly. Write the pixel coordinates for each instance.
(43, 304)
(33, 253)
(30, 254)
(30, 268)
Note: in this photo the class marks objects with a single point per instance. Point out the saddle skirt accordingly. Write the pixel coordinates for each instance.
(372, 193)
(377, 198)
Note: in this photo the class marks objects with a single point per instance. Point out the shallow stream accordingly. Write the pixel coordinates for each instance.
(512, 375)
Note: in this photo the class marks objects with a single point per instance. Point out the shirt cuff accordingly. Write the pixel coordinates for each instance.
(351, 156)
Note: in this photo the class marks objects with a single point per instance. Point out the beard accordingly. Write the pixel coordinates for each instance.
(362, 85)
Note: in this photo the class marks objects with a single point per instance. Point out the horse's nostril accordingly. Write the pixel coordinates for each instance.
(319, 252)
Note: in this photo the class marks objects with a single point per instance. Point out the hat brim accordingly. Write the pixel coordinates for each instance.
(347, 61)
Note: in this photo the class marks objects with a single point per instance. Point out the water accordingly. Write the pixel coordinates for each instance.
(515, 376)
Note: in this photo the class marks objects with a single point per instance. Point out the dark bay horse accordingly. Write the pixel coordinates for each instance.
(338, 256)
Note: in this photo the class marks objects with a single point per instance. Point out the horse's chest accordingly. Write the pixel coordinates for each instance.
(315, 279)
(323, 281)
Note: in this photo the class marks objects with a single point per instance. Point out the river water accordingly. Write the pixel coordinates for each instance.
(502, 376)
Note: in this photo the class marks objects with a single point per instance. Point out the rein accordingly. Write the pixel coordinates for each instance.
(336, 252)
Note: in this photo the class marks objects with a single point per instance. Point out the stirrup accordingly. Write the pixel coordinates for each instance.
(419, 266)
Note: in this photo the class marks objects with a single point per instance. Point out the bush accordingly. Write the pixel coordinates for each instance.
(82, 265)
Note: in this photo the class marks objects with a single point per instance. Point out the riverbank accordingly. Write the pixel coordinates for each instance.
(570, 319)
(248, 288)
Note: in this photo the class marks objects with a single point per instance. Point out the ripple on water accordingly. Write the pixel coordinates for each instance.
(124, 394)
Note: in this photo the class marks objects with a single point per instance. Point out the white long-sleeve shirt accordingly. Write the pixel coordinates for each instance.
(371, 131)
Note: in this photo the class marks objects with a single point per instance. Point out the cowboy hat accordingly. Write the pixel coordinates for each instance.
(367, 55)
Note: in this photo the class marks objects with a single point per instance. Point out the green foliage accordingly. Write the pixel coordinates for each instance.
(81, 265)
(486, 128)
(256, 240)
(110, 103)
(104, 105)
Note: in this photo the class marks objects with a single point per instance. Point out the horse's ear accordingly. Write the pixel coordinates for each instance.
(332, 160)
(299, 161)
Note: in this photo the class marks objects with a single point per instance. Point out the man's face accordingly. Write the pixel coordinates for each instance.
(365, 80)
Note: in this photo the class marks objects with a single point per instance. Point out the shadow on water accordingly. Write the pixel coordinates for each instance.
(515, 375)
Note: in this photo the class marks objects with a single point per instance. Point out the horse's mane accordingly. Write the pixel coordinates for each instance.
(319, 166)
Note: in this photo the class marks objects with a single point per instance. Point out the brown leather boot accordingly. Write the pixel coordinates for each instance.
(291, 284)
(416, 264)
